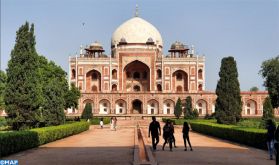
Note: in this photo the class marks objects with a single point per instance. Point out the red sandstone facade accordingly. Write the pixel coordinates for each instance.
(137, 79)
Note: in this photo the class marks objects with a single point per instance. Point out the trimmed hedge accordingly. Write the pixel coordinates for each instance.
(15, 141)
(248, 136)
(96, 121)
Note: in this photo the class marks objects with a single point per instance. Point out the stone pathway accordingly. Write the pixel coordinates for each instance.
(103, 146)
(96, 146)
(208, 150)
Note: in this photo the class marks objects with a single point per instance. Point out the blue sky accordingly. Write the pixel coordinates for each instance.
(245, 29)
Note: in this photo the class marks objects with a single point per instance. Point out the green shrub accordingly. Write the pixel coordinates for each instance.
(15, 141)
(12, 142)
(195, 113)
(96, 121)
(208, 117)
(248, 136)
(87, 112)
(5, 128)
(49, 134)
(178, 108)
(249, 123)
(3, 122)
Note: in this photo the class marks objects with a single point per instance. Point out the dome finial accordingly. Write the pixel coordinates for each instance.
(137, 11)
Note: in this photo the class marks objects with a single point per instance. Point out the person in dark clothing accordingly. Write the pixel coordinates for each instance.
(185, 132)
(155, 130)
(168, 134)
(277, 145)
(270, 137)
(173, 138)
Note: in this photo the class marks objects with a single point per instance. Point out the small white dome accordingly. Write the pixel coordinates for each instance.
(96, 44)
(136, 30)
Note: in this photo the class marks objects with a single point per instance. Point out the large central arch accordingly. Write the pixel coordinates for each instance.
(136, 77)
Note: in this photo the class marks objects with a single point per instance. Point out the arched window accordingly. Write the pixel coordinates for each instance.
(200, 74)
(159, 74)
(200, 87)
(114, 74)
(114, 87)
(200, 108)
(159, 87)
(178, 76)
(73, 74)
(152, 105)
(94, 88)
(136, 88)
(136, 75)
(179, 88)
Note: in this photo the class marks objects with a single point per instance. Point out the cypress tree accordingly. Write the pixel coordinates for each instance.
(178, 108)
(268, 112)
(3, 80)
(228, 103)
(23, 94)
(188, 113)
(87, 112)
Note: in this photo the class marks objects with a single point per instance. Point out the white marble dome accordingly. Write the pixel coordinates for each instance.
(136, 30)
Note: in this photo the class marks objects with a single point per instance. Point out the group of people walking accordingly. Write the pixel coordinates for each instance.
(168, 134)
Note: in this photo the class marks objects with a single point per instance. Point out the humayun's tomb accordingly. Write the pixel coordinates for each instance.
(138, 79)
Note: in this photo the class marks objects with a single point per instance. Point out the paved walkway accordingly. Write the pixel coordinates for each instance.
(96, 146)
(103, 146)
(208, 150)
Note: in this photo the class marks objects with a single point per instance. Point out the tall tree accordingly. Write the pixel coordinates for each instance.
(72, 97)
(3, 80)
(268, 112)
(228, 103)
(188, 113)
(23, 94)
(178, 108)
(270, 72)
(87, 112)
(55, 89)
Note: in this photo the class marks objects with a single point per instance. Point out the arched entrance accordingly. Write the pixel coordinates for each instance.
(93, 81)
(136, 77)
(137, 107)
(180, 81)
